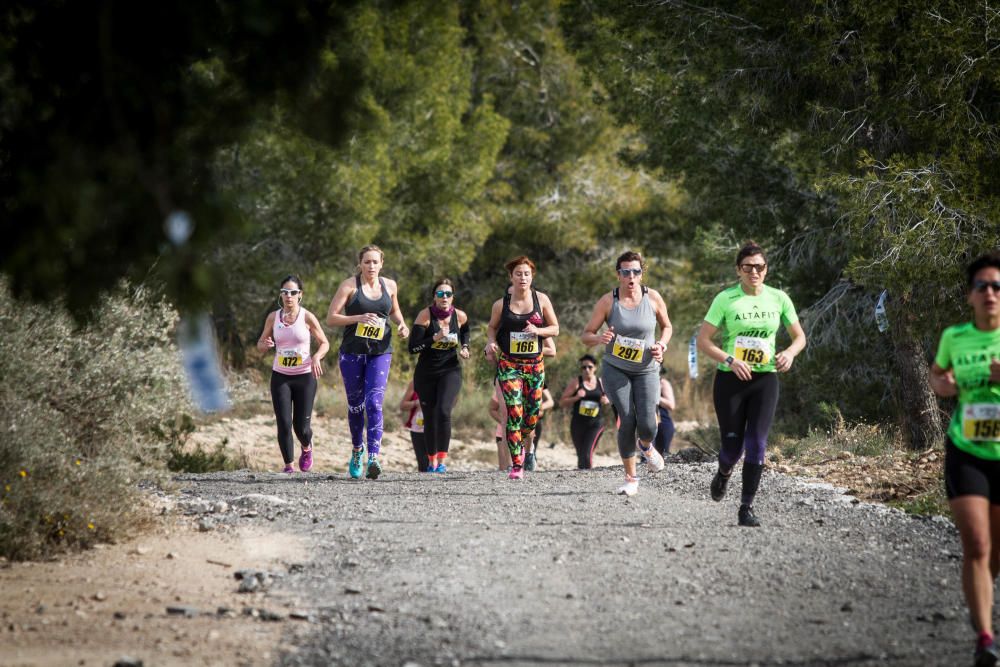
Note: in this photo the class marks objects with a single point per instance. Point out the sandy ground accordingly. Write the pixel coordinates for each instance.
(255, 437)
(97, 607)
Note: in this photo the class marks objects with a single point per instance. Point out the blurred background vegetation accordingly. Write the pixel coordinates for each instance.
(857, 142)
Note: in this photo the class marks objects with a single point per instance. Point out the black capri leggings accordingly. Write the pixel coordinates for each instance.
(585, 434)
(437, 398)
(292, 397)
(745, 410)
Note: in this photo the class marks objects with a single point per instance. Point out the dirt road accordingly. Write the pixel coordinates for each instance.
(472, 569)
(468, 568)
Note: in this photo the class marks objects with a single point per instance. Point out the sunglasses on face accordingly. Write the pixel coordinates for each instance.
(625, 273)
(443, 294)
(588, 367)
(753, 268)
(290, 292)
(983, 285)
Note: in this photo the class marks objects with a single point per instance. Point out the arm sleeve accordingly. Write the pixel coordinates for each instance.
(943, 356)
(464, 336)
(420, 338)
(788, 314)
(715, 314)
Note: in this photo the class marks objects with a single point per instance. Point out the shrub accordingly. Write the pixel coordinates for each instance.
(82, 413)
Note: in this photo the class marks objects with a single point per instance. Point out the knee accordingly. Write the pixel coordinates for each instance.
(977, 548)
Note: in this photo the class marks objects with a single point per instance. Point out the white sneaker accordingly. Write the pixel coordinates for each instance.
(630, 488)
(654, 460)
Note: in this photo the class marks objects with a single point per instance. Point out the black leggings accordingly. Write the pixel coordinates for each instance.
(585, 434)
(437, 395)
(419, 450)
(292, 397)
(745, 411)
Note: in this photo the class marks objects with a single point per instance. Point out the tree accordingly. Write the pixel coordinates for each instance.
(883, 118)
(111, 115)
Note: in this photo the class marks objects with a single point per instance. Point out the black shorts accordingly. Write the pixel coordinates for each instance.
(968, 475)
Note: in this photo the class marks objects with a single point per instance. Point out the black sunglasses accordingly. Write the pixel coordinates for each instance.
(983, 285)
(586, 367)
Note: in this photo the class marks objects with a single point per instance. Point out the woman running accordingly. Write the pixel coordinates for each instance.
(518, 323)
(665, 429)
(531, 444)
(967, 365)
(414, 423)
(368, 302)
(294, 371)
(746, 387)
(584, 396)
(632, 359)
(440, 336)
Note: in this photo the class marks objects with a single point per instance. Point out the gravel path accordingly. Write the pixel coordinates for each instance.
(472, 569)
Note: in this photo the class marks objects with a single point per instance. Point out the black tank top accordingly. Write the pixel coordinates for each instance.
(441, 356)
(512, 339)
(588, 408)
(361, 338)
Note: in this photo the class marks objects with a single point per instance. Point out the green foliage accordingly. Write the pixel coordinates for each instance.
(82, 412)
(99, 147)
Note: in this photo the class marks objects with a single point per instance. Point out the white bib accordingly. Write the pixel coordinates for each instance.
(290, 358)
(523, 342)
(756, 351)
(629, 349)
(981, 422)
(372, 331)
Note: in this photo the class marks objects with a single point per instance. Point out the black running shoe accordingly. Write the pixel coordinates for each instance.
(529, 462)
(987, 655)
(718, 487)
(747, 517)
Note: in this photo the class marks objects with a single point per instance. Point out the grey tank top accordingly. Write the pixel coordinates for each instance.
(635, 331)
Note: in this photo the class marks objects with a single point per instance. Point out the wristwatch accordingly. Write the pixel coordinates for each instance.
(729, 360)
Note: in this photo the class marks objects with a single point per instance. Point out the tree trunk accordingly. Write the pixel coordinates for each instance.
(921, 416)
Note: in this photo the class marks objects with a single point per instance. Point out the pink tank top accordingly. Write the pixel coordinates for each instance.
(291, 346)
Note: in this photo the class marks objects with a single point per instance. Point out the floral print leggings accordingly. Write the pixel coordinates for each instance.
(521, 385)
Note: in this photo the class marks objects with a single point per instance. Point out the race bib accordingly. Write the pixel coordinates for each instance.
(523, 342)
(289, 358)
(629, 349)
(373, 331)
(449, 342)
(589, 408)
(981, 422)
(752, 350)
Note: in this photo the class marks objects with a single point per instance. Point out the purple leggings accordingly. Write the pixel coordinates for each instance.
(365, 377)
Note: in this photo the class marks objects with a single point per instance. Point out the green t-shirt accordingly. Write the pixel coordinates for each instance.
(975, 424)
(750, 324)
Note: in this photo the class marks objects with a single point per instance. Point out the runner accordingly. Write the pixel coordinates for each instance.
(440, 336)
(665, 429)
(632, 359)
(294, 371)
(746, 387)
(499, 415)
(967, 365)
(584, 396)
(414, 423)
(517, 323)
(368, 302)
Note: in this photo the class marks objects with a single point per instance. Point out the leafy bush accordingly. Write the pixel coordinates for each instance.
(82, 415)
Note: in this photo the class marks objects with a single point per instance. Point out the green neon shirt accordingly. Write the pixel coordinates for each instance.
(975, 424)
(750, 324)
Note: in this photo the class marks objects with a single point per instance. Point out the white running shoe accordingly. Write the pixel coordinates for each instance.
(654, 460)
(629, 488)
